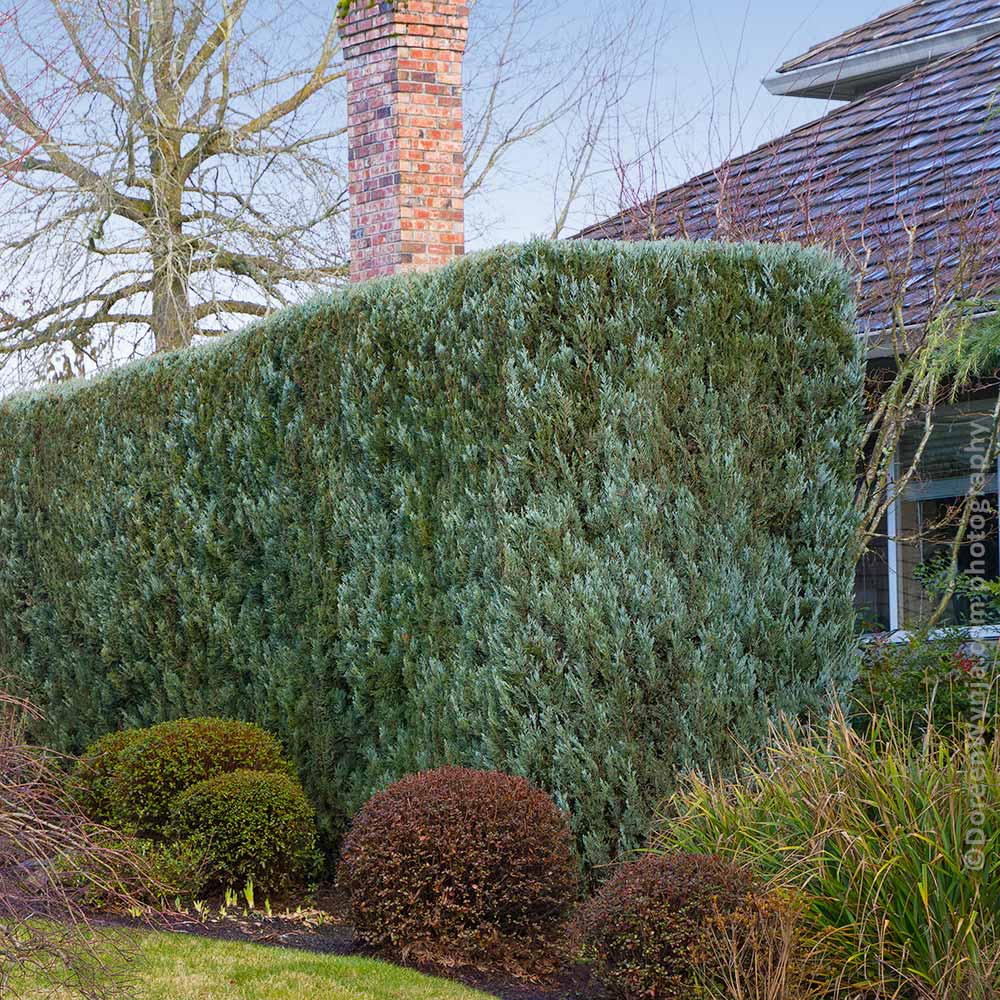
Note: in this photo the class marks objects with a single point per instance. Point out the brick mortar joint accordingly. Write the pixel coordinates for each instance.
(395, 42)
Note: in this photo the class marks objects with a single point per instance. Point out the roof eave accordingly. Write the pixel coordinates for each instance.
(848, 78)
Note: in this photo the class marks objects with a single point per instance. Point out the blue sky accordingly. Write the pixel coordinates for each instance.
(703, 61)
(709, 64)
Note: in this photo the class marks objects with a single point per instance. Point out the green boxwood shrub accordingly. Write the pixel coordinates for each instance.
(576, 511)
(646, 930)
(94, 773)
(248, 826)
(458, 863)
(133, 777)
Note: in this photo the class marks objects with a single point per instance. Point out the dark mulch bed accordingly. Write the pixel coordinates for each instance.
(333, 935)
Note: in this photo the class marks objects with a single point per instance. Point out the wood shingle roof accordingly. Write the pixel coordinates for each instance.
(904, 183)
(908, 23)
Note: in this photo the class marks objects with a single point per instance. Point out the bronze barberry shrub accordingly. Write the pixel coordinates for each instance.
(645, 930)
(461, 866)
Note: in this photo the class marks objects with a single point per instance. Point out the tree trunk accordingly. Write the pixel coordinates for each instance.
(171, 315)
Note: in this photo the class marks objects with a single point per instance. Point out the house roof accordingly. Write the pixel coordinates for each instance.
(913, 21)
(903, 183)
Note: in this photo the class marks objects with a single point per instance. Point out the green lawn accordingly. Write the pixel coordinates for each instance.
(184, 967)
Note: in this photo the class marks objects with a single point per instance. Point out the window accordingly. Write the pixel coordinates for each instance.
(895, 579)
(871, 586)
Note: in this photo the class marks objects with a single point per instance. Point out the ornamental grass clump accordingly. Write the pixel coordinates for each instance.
(457, 865)
(761, 951)
(893, 845)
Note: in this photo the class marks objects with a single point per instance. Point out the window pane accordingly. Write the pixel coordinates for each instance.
(932, 526)
(931, 507)
(871, 586)
(956, 448)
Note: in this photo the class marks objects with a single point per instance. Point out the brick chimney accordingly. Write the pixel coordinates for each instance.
(404, 108)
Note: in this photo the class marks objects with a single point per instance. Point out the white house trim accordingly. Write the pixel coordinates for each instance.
(848, 77)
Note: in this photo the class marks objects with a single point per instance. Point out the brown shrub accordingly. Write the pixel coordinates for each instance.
(458, 865)
(644, 931)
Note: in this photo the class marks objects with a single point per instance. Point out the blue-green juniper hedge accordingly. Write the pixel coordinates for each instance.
(576, 511)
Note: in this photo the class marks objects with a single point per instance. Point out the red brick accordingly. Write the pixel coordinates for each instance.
(404, 68)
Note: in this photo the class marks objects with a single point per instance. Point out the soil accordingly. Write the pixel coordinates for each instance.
(325, 930)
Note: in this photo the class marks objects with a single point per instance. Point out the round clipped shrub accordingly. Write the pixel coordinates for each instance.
(93, 774)
(645, 930)
(153, 768)
(248, 826)
(460, 863)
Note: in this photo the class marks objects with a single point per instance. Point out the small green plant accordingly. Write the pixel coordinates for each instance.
(893, 843)
(255, 828)
(458, 863)
(174, 867)
(165, 870)
(644, 930)
(344, 6)
(941, 579)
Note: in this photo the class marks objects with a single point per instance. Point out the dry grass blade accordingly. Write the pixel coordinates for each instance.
(760, 952)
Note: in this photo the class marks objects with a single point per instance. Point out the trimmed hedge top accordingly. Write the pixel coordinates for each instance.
(576, 511)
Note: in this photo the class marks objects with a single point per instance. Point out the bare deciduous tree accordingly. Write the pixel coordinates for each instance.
(172, 194)
(197, 176)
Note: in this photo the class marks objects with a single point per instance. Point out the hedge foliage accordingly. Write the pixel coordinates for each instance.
(574, 511)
